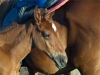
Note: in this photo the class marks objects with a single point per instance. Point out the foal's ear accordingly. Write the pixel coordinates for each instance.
(49, 16)
(37, 15)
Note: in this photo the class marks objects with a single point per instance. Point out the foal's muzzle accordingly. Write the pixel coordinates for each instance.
(59, 59)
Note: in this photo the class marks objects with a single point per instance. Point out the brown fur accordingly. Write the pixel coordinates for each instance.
(44, 27)
(41, 61)
(34, 61)
(82, 18)
(15, 44)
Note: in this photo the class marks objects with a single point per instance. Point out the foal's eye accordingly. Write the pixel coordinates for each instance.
(45, 35)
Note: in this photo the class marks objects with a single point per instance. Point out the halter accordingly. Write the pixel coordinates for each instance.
(57, 5)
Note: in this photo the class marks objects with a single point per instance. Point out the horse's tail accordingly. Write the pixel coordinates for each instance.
(5, 7)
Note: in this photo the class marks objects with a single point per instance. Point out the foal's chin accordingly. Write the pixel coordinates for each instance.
(59, 59)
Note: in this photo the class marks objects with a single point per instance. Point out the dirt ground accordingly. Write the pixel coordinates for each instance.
(24, 71)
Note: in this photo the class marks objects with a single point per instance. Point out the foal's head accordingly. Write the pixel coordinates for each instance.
(46, 36)
(46, 33)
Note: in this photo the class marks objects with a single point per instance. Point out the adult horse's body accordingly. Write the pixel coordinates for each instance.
(82, 18)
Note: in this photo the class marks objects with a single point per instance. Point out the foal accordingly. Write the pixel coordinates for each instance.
(50, 38)
(36, 58)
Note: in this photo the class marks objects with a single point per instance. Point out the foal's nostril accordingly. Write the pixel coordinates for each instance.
(60, 60)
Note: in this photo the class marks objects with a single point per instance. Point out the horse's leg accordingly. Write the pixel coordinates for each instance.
(31, 71)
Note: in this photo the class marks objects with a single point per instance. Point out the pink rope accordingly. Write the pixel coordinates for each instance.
(58, 5)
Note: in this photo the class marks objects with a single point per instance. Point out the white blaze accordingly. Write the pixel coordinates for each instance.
(54, 27)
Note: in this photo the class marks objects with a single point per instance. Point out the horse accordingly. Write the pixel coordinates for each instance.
(82, 19)
(16, 41)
